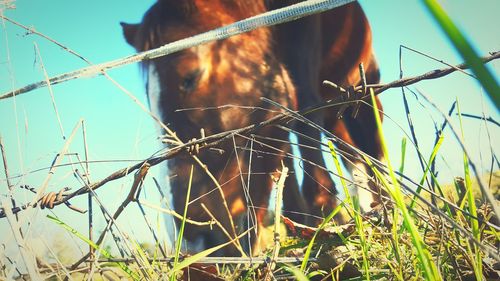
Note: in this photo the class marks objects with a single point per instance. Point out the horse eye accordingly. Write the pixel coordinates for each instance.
(190, 81)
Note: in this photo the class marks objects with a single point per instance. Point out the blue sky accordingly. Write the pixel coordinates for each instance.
(118, 130)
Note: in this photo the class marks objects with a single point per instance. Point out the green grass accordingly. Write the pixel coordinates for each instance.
(427, 167)
(408, 241)
(178, 243)
(131, 273)
(352, 203)
(466, 50)
(478, 264)
(325, 222)
(394, 189)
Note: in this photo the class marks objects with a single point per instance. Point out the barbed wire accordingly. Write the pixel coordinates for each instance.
(344, 98)
(407, 81)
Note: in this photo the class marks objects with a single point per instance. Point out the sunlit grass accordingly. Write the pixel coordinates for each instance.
(466, 50)
(394, 189)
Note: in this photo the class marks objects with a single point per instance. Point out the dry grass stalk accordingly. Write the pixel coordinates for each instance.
(235, 242)
(26, 253)
(51, 92)
(280, 184)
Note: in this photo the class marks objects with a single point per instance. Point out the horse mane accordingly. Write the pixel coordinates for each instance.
(149, 33)
(178, 9)
(248, 7)
(165, 11)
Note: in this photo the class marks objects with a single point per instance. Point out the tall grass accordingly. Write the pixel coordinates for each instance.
(178, 243)
(131, 273)
(394, 189)
(471, 203)
(353, 203)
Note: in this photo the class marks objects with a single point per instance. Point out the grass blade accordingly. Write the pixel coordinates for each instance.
(394, 189)
(103, 251)
(478, 262)
(298, 274)
(307, 254)
(196, 257)
(183, 224)
(427, 168)
(466, 50)
(354, 203)
(403, 157)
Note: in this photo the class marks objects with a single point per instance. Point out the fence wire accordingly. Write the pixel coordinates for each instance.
(270, 18)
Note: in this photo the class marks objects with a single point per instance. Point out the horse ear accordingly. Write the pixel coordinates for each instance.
(129, 31)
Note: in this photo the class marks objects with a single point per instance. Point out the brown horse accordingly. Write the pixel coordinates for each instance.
(285, 64)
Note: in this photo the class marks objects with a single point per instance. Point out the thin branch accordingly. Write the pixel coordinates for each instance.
(413, 133)
(31, 30)
(151, 229)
